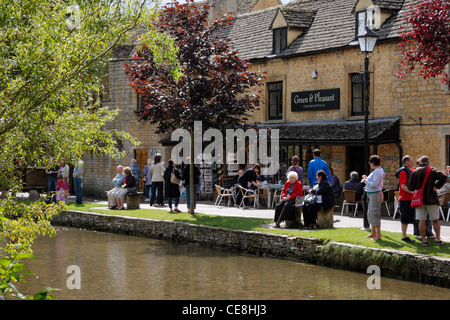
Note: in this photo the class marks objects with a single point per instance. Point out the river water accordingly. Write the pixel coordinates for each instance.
(111, 266)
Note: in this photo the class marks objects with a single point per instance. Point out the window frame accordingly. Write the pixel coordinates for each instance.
(279, 103)
(352, 90)
(279, 40)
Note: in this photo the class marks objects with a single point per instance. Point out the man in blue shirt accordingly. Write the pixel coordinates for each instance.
(315, 165)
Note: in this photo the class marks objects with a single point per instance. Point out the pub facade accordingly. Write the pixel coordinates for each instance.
(313, 92)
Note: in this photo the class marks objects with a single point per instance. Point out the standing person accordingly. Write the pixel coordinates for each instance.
(186, 180)
(64, 168)
(296, 168)
(61, 187)
(335, 184)
(246, 180)
(293, 188)
(52, 181)
(436, 180)
(147, 179)
(77, 175)
(172, 189)
(374, 191)
(136, 170)
(407, 213)
(129, 186)
(157, 177)
(117, 181)
(315, 165)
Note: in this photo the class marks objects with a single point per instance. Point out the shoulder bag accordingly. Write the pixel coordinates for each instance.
(417, 199)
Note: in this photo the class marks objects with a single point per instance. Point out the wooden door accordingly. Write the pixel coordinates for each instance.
(141, 156)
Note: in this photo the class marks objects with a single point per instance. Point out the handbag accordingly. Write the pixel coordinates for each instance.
(173, 178)
(310, 199)
(417, 199)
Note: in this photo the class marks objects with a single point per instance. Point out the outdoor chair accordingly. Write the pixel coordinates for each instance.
(276, 194)
(445, 205)
(222, 193)
(396, 204)
(349, 200)
(263, 194)
(249, 194)
(388, 198)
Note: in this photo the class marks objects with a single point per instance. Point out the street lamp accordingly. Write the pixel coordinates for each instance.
(367, 41)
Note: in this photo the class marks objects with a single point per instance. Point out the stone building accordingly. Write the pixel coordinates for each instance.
(313, 91)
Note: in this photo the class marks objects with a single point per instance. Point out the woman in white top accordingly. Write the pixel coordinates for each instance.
(64, 168)
(157, 176)
(374, 192)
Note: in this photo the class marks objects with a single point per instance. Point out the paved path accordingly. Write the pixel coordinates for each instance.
(387, 222)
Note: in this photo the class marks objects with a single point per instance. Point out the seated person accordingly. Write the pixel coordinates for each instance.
(293, 188)
(335, 184)
(355, 184)
(325, 200)
(129, 186)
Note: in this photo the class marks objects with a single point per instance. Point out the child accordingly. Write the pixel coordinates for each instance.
(62, 189)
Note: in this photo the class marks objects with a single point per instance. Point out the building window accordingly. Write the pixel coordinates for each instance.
(363, 19)
(275, 100)
(279, 40)
(357, 99)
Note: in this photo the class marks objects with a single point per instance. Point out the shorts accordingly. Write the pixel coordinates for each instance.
(407, 213)
(431, 209)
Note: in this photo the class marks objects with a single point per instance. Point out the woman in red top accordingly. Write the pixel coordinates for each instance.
(292, 189)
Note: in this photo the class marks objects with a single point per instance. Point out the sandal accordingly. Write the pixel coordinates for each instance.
(440, 243)
(424, 244)
(407, 239)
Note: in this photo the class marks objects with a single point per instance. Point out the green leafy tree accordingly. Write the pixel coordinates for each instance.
(53, 59)
(215, 83)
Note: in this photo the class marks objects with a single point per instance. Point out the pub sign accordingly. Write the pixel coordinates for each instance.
(326, 99)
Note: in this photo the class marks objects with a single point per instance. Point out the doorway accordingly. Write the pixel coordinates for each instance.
(355, 161)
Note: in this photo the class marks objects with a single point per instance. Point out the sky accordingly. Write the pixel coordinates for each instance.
(182, 1)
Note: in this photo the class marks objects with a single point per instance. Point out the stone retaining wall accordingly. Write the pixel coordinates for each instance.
(397, 264)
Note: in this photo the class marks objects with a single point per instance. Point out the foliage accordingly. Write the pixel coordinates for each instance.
(53, 60)
(214, 82)
(20, 224)
(426, 40)
(53, 66)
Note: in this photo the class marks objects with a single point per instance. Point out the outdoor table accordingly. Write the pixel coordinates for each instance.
(269, 188)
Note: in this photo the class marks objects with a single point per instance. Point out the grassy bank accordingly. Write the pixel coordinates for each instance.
(390, 240)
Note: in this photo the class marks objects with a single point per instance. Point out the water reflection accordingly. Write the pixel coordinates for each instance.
(124, 267)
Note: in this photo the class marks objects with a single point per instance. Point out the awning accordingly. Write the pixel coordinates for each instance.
(338, 132)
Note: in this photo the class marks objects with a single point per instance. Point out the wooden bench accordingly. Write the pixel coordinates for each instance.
(325, 218)
(134, 200)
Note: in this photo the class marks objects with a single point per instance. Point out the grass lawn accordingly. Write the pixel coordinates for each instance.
(390, 240)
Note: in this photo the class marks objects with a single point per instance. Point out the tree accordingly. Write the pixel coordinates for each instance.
(53, 59)
(426, 39)
(214, 84)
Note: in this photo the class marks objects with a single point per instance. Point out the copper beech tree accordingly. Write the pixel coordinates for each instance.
(425, 39)
(215, 83)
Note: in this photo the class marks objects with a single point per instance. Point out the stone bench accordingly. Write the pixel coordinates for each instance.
(325, 218)
(34, 192)
(134, 200)
(298, 214)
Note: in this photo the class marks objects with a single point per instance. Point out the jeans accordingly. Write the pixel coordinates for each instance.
(158, 185)
(188, 195)
(78, 190)
(147, 190)
(51, 192)
(177, 201)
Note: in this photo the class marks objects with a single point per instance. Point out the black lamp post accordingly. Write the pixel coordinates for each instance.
(367, 42)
